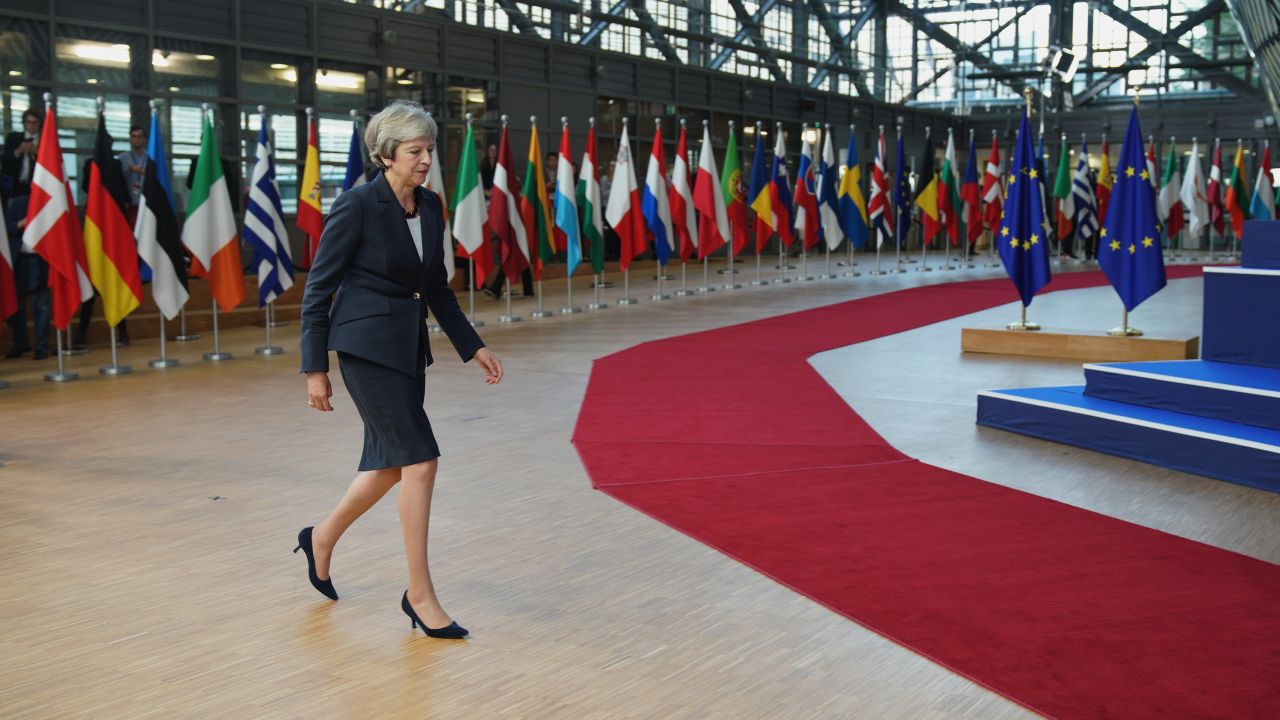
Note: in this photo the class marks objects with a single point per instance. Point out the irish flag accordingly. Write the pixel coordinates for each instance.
(210, 230)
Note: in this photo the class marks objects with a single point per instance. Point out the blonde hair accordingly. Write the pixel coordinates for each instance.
(401, 121)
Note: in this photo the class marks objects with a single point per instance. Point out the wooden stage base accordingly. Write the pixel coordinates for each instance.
(1067, 345)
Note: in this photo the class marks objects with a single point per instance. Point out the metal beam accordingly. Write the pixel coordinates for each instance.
(654, 31)
(761, 47)
(849, 37)
(518, 18)
(1158, 41)
(952, 43)
(991, 36)
(601, 24)
(727, 52)
(840, 50)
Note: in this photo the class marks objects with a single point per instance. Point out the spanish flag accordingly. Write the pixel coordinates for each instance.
(310, 219)
(109, 246)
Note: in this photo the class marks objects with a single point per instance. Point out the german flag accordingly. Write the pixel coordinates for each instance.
(110, 249)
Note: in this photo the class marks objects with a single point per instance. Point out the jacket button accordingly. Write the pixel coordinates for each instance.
(417, 296)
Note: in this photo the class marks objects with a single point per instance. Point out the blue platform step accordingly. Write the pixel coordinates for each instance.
(1235, 452)
(1223, 391)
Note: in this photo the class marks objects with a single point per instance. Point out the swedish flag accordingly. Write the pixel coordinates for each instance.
(1021, 237)
(1129, 249)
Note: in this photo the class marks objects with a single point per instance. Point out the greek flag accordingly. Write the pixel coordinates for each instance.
(264, 225)
(1086, 206)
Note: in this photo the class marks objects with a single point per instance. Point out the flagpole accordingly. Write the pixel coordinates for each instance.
(759, 280)
(216, 355)
(946, 240)
(62, 374)
(163, 361)
(896, 213)
(268, 349)
(183, 335)
(965, 263)
(924, 242)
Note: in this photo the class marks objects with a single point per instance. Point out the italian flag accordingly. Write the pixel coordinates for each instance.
(468, 212)
(210, 230)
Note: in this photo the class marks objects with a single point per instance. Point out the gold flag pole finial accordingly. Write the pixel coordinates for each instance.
(1026, 92)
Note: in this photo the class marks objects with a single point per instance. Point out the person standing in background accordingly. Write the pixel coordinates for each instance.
(18, 161)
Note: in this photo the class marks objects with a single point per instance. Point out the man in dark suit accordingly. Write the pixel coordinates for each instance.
(18, 162)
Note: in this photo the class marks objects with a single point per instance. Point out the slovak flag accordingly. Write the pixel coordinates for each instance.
(806, 198)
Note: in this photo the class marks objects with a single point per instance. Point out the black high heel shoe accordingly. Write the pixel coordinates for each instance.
(453, 632)
(325, 587)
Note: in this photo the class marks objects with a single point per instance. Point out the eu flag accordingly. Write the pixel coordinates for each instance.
(902, 197)
(1024, 249)
(1129, 249)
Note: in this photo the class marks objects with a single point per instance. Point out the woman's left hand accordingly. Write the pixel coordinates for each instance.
(491, 365)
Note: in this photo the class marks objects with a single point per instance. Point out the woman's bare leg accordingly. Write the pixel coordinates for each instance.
(365, 491)
(416, 485)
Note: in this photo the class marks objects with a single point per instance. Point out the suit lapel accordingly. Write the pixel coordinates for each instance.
(401, 252)
(430, 227)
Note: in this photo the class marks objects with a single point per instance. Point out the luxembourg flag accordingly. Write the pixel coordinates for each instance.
(566, 205)
(656, 200)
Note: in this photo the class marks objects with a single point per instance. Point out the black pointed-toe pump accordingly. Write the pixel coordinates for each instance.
(453, 632)
(325, 587)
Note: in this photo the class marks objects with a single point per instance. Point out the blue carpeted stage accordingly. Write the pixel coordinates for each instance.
(1218, 416)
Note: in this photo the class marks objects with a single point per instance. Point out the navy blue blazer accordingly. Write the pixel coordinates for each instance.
(367, 270)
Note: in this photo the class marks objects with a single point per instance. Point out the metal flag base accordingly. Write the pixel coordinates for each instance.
(541, 312)
(61, 374)
(269, 349)
(164, 361)
(659, 295)
(1023, 324)
(706, 286)
(510, 317)
(434, 329)
(183, 335)
(115, 368)
(569, 308)
(626, 298)
(731, 286)
(1124, 330)
(217, 355)
(597, 304)
(758, 281)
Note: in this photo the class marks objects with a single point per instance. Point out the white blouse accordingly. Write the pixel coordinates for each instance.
(415, 229)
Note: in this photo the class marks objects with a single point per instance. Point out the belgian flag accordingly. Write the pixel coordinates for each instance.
(110, 249)
(927, 195)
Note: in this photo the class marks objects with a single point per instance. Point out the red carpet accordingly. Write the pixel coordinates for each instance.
(1070, 613)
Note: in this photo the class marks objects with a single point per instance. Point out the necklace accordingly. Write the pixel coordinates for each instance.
(413, 213)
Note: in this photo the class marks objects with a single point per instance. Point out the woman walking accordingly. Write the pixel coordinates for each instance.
(378, 273)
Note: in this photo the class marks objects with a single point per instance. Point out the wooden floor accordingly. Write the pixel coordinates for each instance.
(146, 523)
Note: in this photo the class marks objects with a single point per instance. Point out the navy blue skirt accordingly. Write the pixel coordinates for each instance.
(396, 429)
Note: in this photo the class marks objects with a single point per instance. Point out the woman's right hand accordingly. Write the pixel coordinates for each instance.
(319, 391)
